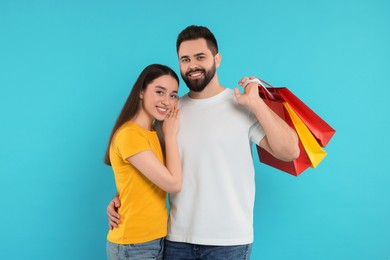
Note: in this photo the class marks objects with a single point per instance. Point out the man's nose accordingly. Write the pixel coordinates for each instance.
(193, 64)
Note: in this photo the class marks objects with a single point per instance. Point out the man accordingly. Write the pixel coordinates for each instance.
(212, 217)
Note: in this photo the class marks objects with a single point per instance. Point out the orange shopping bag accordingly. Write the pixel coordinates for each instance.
(295, 167)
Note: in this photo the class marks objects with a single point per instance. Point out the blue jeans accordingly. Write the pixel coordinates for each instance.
(185, 251)
(148, 250)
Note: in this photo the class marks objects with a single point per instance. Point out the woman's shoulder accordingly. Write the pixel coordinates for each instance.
(129, 130)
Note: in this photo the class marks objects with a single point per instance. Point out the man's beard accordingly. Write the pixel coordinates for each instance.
(198, 85)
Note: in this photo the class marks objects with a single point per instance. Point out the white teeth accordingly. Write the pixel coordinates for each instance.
(195, 74)
(162, 109)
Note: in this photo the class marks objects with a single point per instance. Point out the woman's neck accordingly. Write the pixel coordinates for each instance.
(143, 120)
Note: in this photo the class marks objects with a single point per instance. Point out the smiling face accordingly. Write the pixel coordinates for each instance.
(197, 64)
(159, 97)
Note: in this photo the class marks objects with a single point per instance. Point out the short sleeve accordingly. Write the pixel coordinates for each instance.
(130, 141)
(256, 133)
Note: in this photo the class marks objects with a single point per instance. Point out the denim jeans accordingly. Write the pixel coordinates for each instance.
(148, 250)
(184, 251)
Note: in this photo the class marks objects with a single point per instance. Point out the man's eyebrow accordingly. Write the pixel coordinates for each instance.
(199, 54)
(195, 55)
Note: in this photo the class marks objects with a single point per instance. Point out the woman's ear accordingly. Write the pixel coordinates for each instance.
(141, 95)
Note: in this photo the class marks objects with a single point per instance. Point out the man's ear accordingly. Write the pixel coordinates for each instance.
(217, 59)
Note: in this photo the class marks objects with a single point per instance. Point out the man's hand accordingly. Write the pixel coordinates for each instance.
(251, 93)
(280, 139)
(112, 212)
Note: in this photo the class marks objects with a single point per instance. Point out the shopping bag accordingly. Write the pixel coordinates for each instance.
(310, 144)
(321, 130)
(295, 167)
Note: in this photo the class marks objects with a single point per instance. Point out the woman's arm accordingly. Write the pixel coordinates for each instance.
(168, 177)
(148, 164)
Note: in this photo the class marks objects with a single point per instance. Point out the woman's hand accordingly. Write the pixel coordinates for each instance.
(171, 123)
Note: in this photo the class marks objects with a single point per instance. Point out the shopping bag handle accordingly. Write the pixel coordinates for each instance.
(261, 83)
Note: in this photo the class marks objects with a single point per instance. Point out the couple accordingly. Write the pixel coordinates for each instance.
(207, 168)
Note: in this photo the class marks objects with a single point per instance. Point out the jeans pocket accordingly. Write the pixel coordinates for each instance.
(248, 252)
(160, 255)
(112, 251)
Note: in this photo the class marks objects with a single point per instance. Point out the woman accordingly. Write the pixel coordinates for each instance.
(136, 157)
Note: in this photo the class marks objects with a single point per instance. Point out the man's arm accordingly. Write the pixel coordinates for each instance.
(280, 139)
(112, 212)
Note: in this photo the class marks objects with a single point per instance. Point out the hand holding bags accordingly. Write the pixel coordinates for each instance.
(313, 132)
(317, 126)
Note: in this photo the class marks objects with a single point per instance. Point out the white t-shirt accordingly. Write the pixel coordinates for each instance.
(215, 205)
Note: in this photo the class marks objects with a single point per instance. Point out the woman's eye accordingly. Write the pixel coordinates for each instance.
(160, 92)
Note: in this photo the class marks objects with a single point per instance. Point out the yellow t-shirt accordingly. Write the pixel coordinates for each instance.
(143, 208)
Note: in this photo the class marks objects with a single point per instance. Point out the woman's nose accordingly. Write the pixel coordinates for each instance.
(166, 101)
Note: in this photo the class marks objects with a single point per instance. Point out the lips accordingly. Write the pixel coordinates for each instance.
(195, 74)
(162, 110)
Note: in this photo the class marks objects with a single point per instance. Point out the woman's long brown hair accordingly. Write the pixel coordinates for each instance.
(131, 105)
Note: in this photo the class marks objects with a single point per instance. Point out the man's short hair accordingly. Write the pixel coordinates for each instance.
(194, 32)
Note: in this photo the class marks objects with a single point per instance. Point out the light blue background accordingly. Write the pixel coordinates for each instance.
(66, 68)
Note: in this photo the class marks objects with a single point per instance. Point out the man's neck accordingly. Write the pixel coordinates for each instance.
(212, 89)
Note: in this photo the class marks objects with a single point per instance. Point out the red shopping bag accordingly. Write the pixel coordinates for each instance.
(295, 167)
(321, 130)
